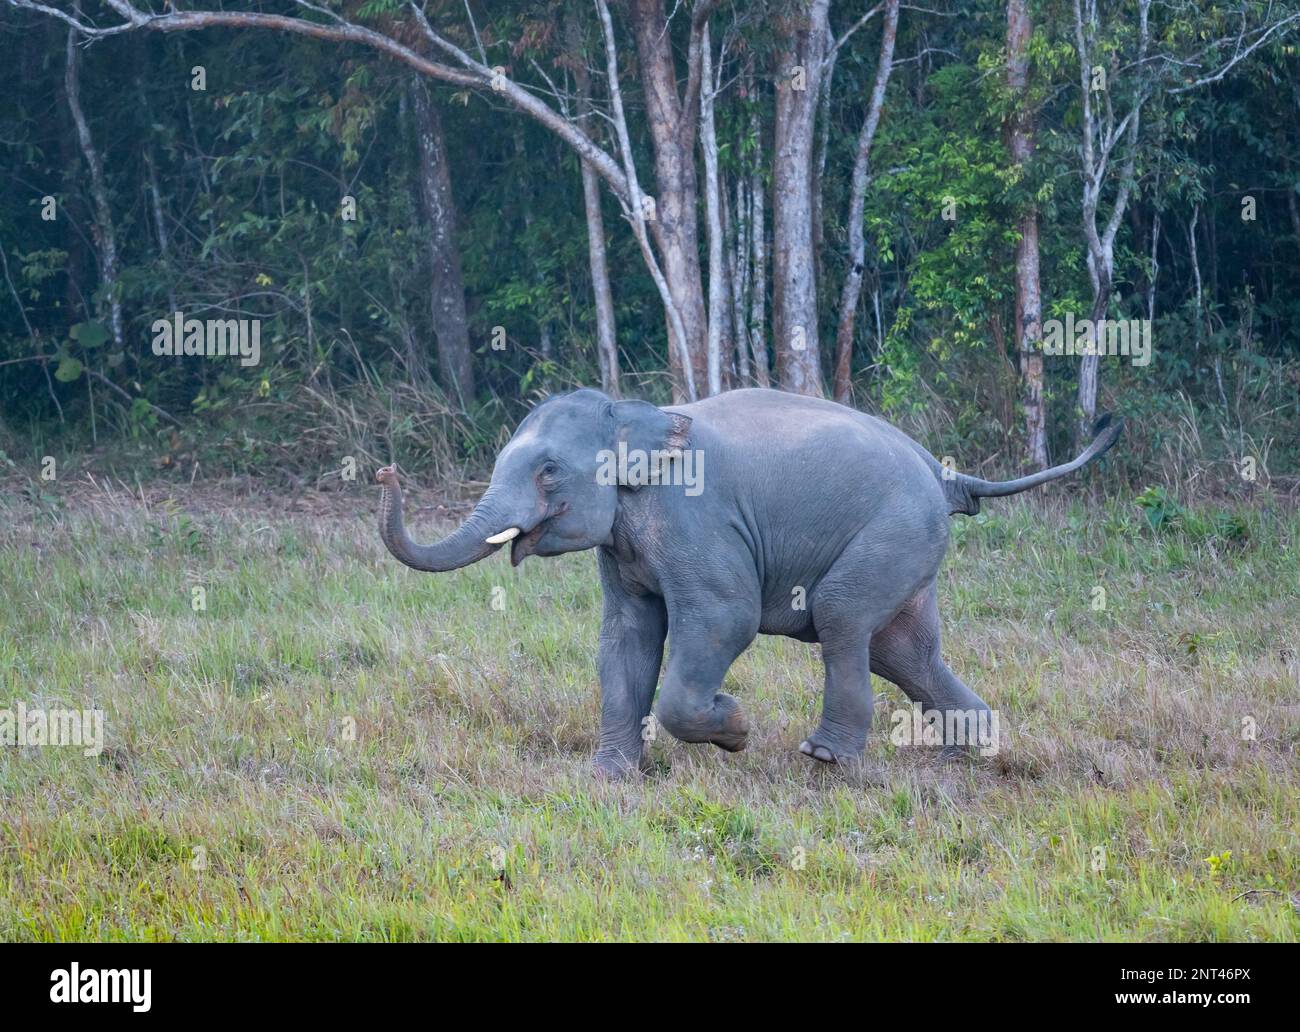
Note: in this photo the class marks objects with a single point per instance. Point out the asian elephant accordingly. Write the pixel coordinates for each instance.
(752, 512)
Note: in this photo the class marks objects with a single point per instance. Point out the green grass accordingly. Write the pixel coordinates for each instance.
(339, 748)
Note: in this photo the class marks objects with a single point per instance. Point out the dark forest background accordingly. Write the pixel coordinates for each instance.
(465, 288)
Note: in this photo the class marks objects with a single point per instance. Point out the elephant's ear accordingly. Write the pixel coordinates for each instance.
(650, 429)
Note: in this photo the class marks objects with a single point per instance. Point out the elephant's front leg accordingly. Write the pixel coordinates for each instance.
(706, 641)
(632, 634)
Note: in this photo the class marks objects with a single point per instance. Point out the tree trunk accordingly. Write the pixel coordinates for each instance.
(819, 160)
(1291, 207)
(606, 338)
(672, 133)
(1088, 367)
(72, 213)
(719, 342)
(1154, 274)
(794, 286)
(738, 274)
(1101, 137)
(1029, 299)
(447, 282)
(102, 225)
(1029, 332)
(634, 209)
(857, 207)
(758, 243)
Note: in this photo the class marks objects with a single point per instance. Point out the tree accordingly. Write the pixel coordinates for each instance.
(446, 280)
(1110, 148)
(1029, 296)
(720, 312)
(852, 291)
(104, 232)
(1101, 134)
(800, 64)
(673, 120)
(606, 335)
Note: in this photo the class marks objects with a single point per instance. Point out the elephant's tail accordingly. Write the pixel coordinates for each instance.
(964, 492)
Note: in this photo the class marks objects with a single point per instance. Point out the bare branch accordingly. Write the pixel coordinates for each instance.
(848, 33)
(89, 31)
(690, 104)
(474, 29)
(474, 74)
(1240, 55)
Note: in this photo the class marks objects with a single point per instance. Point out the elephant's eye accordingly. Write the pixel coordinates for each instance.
(549, 469)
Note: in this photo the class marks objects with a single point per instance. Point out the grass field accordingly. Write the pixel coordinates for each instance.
(339, 748)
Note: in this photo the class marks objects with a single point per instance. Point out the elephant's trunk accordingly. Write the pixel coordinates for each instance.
(466, 544)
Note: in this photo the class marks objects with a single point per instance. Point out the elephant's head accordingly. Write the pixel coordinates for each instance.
(550, 491)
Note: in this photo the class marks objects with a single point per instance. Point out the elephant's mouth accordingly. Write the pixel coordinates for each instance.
(526, 544)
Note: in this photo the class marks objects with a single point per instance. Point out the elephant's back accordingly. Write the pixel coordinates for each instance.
(781, 417)
(808, 450)
(773, 424)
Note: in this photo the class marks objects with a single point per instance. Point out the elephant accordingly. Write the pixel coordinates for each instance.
(750, 512)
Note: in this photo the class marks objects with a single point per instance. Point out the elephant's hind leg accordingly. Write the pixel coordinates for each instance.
(846, 701)
(846, 623)
(906, 652)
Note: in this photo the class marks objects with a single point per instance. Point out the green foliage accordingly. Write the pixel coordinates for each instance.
(1164, 514)
(227, 202)
(1161, 511)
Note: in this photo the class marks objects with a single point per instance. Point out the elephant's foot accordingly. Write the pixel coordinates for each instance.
(620, 764)
(723, 723)
(733, 727)
(733, 740)
(830, 746)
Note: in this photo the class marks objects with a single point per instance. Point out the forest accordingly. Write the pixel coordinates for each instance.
(436, 214)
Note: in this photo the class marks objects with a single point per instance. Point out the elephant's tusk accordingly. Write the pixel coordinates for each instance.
(503, 537)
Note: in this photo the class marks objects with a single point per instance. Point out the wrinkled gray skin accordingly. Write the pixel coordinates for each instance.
(798, 493)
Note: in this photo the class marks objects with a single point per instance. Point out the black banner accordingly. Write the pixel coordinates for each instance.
(153, 981)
